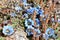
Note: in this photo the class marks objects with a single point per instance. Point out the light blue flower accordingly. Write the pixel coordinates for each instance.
(41, 12)
(29, 31)
(25, 15)
(44, 19)
(26, 4)
(13, 14)
(50, 32)
(8, 30)
(45, 36)
(18, 8)
(52, 19)
(37, 10)
(38, 32)
(29, 23)
(30, 11)
(58, 20)
(30, 27)
(37, 22)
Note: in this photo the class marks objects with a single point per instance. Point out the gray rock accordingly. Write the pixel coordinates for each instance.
(18, 35)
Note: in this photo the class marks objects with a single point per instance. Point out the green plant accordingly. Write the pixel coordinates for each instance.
(58, 39)
(2, 38)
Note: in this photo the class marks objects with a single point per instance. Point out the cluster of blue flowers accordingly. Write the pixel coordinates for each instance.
(29, 23)
(37, 9)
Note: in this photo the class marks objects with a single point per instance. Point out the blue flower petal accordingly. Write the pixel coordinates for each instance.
(27, 21)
